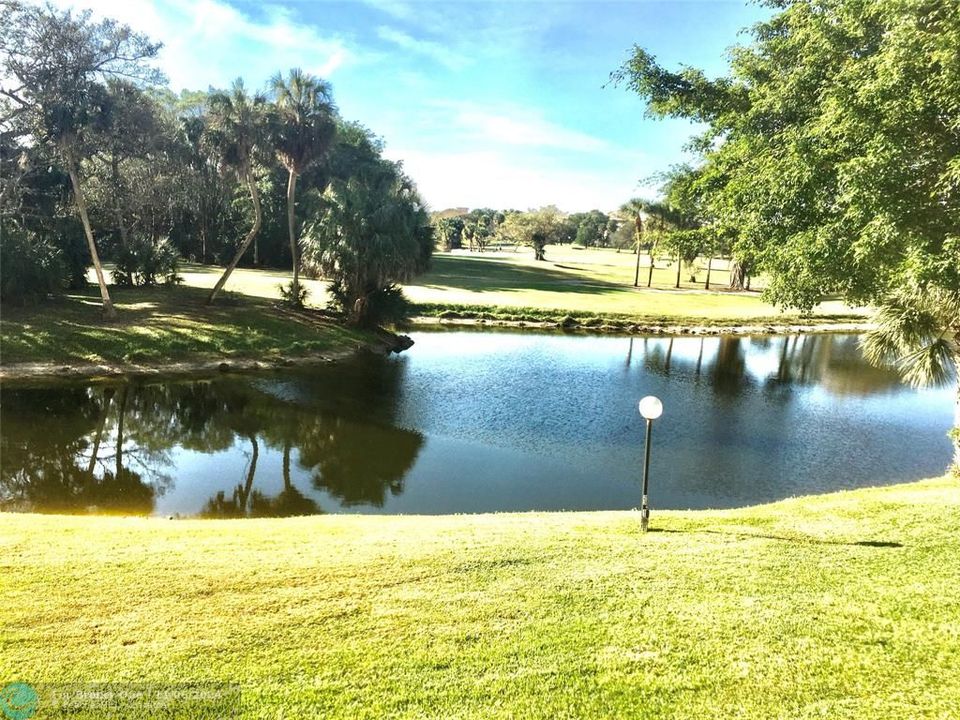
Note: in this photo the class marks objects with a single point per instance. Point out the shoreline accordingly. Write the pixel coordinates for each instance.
(46, 371)
(674, 329)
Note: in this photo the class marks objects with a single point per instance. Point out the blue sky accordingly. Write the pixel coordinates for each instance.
(497, 104)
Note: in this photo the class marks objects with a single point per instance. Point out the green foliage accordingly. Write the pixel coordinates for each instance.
(147, 263)
(369, 232)
(535, 228)
(591, 228)
(32, 266)
(831, 149)
(293, 297)
(916, 332)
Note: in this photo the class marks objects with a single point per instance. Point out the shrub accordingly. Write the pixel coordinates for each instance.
(32, 266)
(286, 294)
(144, 262)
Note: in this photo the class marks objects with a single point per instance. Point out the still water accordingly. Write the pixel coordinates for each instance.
(471, 421)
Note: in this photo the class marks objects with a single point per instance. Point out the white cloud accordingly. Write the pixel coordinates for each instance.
(209, 42)
(495, 179)
(394, 8)
(436, 51)
(518, 126)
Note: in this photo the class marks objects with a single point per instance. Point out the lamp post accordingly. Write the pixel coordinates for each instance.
(651, 408)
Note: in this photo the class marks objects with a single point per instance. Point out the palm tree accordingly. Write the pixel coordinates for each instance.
(636, 208)
(238, 132)
(304, 133)
(918, 331)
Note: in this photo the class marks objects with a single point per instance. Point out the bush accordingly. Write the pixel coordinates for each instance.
(286, 294)
(147, 263)
(386, 305)
(32, 267)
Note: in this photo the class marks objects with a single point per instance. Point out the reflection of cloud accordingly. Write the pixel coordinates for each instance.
(208, 42)
(494, 179)
(438, 52)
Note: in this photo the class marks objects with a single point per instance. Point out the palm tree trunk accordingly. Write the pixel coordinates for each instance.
(639, 232)
(257, 221)
(108, 310)
(650, 271)
(679, 268)
(292, 223)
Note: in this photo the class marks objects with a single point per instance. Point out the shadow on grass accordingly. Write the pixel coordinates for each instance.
(799, 539)
(489, 275)
(158, 324)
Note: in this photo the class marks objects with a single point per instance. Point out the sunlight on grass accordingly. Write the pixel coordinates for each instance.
(815, 607)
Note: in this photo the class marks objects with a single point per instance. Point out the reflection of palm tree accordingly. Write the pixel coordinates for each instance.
(236, 506)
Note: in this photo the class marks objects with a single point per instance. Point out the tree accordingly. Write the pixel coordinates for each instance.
(832, 149)
(534, 228)
(634, 211)
(238, 130)
(591, 228)
(450, 231)
(918, 331)
(55, 66)
(370, 232)
(303, 134)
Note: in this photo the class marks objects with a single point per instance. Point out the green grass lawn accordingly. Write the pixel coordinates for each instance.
(160, 325)
(589, 282)
(839, 606)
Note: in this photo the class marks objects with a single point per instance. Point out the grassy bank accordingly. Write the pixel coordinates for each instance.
(161, 325)
(839, 606)
(584, 284)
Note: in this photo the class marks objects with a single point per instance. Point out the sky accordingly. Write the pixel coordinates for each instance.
(487, 104)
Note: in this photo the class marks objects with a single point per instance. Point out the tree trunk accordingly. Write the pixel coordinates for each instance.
(679, 268)
(108, 310)
(120, 413)
(709, 268)
(292, 223)
(107, 398)
(650, 271)
(257, 220)
(738, 274)
(248, 485)
(639, 230)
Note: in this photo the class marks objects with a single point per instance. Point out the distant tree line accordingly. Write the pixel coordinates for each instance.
(99, 160)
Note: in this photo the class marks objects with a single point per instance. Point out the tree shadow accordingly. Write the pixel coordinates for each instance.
(798, 539)
(490, 275)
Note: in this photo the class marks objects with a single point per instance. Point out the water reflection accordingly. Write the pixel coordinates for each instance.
(514, 421)
(109, 449)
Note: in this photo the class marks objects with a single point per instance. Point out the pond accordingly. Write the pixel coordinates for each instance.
(479, 421)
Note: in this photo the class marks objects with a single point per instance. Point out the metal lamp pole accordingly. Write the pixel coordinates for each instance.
(645, 506)
(650, 408)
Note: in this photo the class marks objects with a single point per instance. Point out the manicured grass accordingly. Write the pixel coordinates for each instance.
(840, 606)
(584, 282)
(159, 325)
